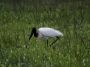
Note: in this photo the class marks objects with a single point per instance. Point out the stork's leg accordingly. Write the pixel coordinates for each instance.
(47, 42)
(54, 41)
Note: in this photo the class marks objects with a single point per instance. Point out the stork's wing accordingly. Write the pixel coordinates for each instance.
(50, 32)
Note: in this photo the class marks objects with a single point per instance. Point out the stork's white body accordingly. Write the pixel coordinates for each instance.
(45, 32)
(48, 32)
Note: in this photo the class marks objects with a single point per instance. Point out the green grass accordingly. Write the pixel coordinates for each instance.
(72, 50)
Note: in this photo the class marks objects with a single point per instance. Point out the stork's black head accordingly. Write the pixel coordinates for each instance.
(34, 31)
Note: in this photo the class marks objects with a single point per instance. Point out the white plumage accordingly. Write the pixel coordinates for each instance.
(48, 32)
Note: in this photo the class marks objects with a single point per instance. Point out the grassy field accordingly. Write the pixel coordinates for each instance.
(71, 18)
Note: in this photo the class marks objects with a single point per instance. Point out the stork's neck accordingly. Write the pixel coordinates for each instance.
(36, 34)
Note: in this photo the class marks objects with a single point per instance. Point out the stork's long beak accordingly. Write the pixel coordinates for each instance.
(31, 35)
